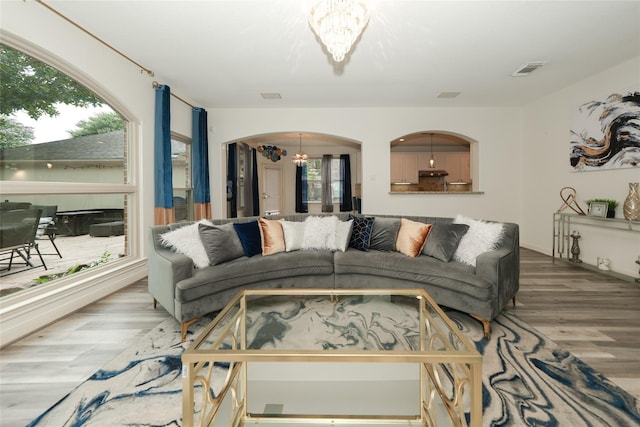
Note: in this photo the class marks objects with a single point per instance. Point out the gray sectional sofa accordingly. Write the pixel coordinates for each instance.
(481, 291)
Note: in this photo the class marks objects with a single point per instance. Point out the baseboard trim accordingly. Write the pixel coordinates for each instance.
(26, 315)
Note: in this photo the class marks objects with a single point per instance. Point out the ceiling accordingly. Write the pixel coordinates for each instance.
(224, 54)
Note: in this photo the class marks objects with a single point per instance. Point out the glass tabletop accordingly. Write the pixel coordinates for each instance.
(361, 322)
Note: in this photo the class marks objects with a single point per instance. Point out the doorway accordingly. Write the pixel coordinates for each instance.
(271, 190)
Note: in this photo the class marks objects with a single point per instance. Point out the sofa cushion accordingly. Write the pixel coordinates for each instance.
(384, 234)
(443, 240)
(247, 271)
(361, 232)
(293, 235)
(411, 237)
(420, 270)
(271, 236)
(221, 242)
(481, 237)
(249, 235)
(186, 240)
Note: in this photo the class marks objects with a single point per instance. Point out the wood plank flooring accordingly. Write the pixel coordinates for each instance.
(594, 316)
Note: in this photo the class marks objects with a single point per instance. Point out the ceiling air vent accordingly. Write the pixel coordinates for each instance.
(270, 95)
(527, 69)
(448, 94)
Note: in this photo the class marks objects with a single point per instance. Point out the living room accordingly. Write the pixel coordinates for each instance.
(523, 148)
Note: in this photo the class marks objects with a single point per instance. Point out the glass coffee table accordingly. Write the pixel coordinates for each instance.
(332, 357)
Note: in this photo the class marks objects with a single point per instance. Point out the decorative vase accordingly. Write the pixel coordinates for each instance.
(632, 203)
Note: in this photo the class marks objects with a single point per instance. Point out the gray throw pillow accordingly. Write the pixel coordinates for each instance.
(221, 242)
(443, 240)
(384, 234)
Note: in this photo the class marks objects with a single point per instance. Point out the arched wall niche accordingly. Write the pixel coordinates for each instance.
(433, 161)
(314, 144)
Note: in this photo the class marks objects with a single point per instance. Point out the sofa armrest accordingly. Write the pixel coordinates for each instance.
(501, 267)
(166, 268)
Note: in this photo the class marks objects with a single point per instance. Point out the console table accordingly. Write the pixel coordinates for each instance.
(562, 223)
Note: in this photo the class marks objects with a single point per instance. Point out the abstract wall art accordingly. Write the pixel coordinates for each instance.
(606, 133)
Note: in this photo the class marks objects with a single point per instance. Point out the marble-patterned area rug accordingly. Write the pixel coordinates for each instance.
(527, 379)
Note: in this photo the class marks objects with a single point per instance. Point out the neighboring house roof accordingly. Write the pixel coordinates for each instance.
(102, 147)
(106, 146)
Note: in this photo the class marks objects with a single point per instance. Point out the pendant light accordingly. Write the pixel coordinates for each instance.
(300, 158)
(432, 161)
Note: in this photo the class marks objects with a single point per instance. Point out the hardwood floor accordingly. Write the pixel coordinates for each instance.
(40, 369)
(594, 316)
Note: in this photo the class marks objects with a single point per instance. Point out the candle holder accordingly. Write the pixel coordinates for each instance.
(575, 247)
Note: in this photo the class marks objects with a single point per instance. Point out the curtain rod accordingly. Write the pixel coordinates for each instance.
(156, 84)
(149, 72)
(142, 69)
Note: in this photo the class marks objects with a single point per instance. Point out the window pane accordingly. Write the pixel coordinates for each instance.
(88, 230)
(314, 180)
(54, 129)
(336, 183)
(181, 178)
(98, 157)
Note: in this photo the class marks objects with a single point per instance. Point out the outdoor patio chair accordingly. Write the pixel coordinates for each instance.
(18, 230)
(47, 226)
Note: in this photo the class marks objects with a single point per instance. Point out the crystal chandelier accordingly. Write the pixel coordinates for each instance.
(300, 158)
(338, 23)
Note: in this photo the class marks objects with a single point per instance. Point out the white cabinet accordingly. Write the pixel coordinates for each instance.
(405, 165)
(458, 166)
(404, 168)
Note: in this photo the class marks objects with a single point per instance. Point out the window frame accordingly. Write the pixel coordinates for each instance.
(108, 277)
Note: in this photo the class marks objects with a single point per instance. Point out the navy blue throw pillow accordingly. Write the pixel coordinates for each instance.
(361, 232)
(249, 234)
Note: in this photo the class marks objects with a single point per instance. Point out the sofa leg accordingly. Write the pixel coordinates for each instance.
(514, 300)
(486, 326)
(155, 303)
(185, 328)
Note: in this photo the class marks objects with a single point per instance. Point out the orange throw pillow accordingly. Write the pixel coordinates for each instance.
(411, 237)
(272, 236)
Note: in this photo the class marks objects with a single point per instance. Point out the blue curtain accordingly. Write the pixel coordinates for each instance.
(200, 160)
(232, 179)
(255, 190)
(345, 182)
(301, 189)
(163, 189)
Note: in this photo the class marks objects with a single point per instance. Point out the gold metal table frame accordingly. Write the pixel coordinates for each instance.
(450, 367)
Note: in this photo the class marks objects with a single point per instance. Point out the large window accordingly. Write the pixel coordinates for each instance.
(314, 180)
(65, 152)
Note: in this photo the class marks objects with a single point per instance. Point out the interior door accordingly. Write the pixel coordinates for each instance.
(272, 190)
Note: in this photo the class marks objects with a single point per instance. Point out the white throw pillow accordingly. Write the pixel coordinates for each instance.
(186, 240)
(293, 235)
(343, 235)
(320, 232)
(481, 237)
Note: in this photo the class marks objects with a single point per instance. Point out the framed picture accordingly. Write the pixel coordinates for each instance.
(598, 209)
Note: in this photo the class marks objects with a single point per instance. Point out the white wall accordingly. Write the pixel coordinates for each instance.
(499, 151)
(546, 170)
